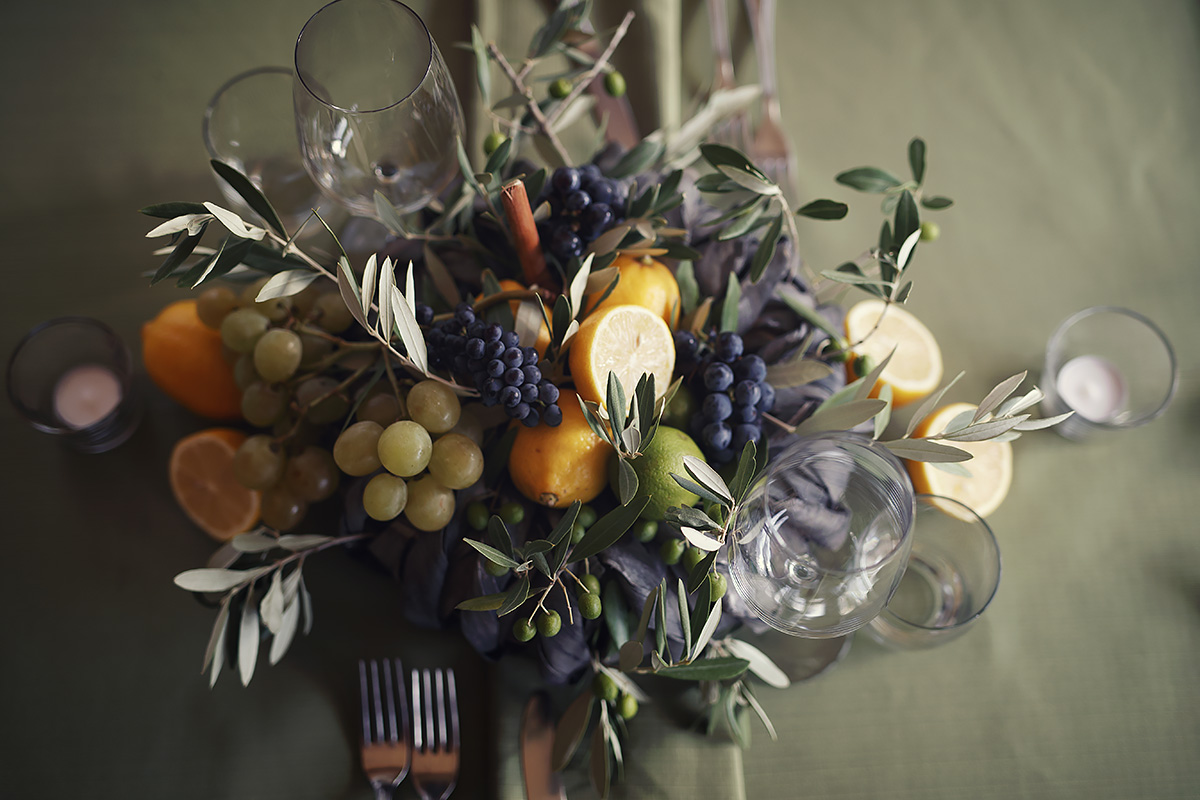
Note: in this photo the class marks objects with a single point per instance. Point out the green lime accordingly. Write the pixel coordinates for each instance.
(679, 411)
(716, 585)
(614, 84)
(930, 231)
(560, 88)
(605, 688)
(627, 707)
(523, 630)
(590, 606)
(493, 141)
(591, 583)
(671, 551)
(645, 530)
(653, 468)
(549, 623)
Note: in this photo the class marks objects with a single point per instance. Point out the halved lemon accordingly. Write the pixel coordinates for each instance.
(201, 475)
(875, 328)
(625, 340)
(991, 466)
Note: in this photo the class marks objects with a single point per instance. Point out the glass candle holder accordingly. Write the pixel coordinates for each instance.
(73, 377)
(1113, 367)
(952, 575)
(824, 535)
(248, 124)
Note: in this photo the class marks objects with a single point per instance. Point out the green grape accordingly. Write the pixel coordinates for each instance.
(277, 355)
(591, 583)
(313, 348)
(276, 309)
(356, 449)
(456, 462)
(331, 313)
(716, 585)
(258, 463)
(244, 372)
(512, 513)
(590, 606)
(477, 516)
(523, 630)
(692, 556)
(645, 530)
(586, 517)
(434, 406)
(384, 497)
(469, 424)
(332, 407)
(281, 508)
(671, 551)
(627, 707)
(494, 569)
(430, 505)
(549, 623)
(404, 448)
(313, 474)
(383, 408)
(242, 328)
(263, 404)
(605, 688)
(214, 304)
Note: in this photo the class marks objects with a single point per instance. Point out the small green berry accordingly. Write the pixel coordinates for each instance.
(477, 516)
(614, 84)
(590, 605)
(716, 585)
(549, 623)
(577, 533)
(693, 556)
(523, 630)
(671, 551)
(492, 142)
(494, 569)
(560, 88)
(512, 513)
(591, 583)
(627, 707)
(863, 365)
(930, 231)
(645, 531)
(586, 517)
(605, 688)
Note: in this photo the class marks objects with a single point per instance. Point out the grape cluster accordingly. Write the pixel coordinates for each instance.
(489, 356)
(734, 389)
(583, 205)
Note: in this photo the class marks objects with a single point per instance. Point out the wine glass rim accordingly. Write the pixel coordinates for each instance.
(1052, 362)
(211, 108)
(299, 76)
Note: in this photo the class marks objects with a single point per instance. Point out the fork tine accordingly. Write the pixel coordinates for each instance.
(366, 703)
(453, 692)
(439, 684)
(392, 734)
(398, 667)
(377, 696)
(418, 733)
(430, 734)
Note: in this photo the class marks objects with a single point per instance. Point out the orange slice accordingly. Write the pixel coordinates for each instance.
(627, 340)
(201, 474)
(991, 467)
(916, 368)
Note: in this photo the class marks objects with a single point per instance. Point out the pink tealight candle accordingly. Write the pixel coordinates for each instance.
(1093, 387)
(85, 395)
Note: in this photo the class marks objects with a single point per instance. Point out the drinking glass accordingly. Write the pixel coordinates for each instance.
(823, 537)
(952, 575)
(72, 377)
(375, 106)
(1113, 367)
(249, 125)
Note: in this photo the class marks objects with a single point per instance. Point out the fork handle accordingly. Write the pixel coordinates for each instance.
(762, 28)
(718, 25)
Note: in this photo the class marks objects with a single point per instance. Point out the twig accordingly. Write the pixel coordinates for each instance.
(531, 102)
(525, 233)
(581, 85)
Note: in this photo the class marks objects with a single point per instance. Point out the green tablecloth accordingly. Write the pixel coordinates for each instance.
(1066, 133)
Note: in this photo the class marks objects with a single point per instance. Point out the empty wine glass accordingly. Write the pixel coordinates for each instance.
(375, 106)
(824, 536)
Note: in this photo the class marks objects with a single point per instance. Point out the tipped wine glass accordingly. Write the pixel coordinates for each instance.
(375, 106)
(823, 538)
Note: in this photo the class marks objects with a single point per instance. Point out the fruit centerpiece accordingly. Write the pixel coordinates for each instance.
(542, 402)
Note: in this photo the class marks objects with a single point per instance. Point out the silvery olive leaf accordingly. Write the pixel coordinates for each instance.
(579, 284)
(235, 224)
(906, 249)
(925, 450)
(271, 608)
(982, 431)
(1015, 405)
(294, 542)
(286, 284)
(370, 272)
(760, 712)
(351, 296)
(998, 395)
(216, 640)
(387, 310)
(289, 622)
(192, 223)
(707, 477)
(706, 543)
(927, 407)
(255, 542)
(410, 331)
(760, 663)
(443, 281)
(1039, 424)
(248, 638)
(207, 579)
(841, 417)
(706, 633)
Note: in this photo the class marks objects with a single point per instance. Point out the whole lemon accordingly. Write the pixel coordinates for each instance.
(653, 468)
(644, 282)
(557, 466)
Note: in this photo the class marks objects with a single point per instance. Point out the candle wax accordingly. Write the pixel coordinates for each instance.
(1093, 387)
(85, 395)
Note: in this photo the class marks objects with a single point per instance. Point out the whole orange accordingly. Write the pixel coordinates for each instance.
(644, 282)
(183, 357)
(557, 466)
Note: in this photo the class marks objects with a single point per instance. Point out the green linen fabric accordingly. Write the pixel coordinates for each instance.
(1065, 131)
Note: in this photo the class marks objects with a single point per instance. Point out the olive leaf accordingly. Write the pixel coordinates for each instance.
(707, 669)
(568, 733)
(760, 663)
(868, 179)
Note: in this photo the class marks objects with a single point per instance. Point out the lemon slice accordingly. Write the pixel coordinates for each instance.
(916, 368)
(991, 467)
(625, 340)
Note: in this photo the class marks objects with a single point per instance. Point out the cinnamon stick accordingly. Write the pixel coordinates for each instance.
(525, 234)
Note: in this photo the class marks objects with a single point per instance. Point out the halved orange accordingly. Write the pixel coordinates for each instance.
(201, 475)
(874, 329)
(991, 466)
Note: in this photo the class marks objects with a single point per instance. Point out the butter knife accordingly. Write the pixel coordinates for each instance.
(537, 747)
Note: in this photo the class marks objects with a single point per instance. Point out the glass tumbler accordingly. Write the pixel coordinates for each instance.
(952, 575)
(375, 106)
(73, 377)
(1113, 367)
(824, 535)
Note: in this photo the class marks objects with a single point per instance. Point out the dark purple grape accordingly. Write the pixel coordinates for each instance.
(686, 346)
(716, 436)
(552, 416)
(745, 432)
(767, 401)
(565, 180)
(509, 339)
(597, 217)
(750, 368)
(476, 348)
(718, 377)
(576, 202)
(747, 393)
(519, 411)
(495, 368)
(529, 392)
(494, 349)
(424, 314)
(716, 407)
(513, 357)
(745, 414)
(510, 396)
(492, 333)
(589, 174)
(547, 392)
(729, 346)
(492, 387)
(532, 374)
(531, 418)
(565, 243)
(476, 365)
(464, 314)
(513, 376)
(603, 190)
(723, 456)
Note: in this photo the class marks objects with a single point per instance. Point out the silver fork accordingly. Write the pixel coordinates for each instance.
(734, 130)
(435, 733)
(386, 752)
(769, 150)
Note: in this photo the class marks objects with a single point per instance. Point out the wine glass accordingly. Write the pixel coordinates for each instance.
(375, 106)
(823, 537)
